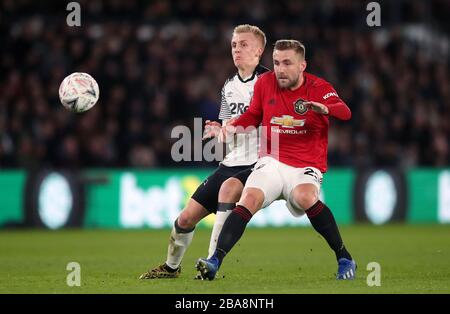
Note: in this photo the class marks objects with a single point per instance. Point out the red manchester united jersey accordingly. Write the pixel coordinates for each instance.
(301, 133)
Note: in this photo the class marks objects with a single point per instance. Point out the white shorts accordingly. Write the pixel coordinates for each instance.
(277, 181)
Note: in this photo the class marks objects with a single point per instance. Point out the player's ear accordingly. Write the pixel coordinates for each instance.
(259, 52)
(303, 65)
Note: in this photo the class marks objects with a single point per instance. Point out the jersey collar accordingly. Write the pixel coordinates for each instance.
(255, 71)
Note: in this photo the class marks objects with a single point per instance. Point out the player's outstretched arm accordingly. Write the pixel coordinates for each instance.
(338, 110)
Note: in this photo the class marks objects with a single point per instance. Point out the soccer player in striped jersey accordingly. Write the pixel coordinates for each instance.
(247, 46)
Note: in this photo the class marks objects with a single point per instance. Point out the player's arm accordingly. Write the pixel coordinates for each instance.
(329, 103)
(338, 110)
(213, 128)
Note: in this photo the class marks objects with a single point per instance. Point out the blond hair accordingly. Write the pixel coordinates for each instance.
(255, 30)
(290, 44)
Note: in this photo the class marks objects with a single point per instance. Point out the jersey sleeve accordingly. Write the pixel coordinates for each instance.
(225, 112)
(325, 94)
(254, 114)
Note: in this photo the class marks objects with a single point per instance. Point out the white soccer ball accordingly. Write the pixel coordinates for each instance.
(79, 92)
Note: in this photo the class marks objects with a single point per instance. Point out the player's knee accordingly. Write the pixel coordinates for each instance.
(230, 191)
(186, 220)
(305, 198)
(252, 199)
(191, 214)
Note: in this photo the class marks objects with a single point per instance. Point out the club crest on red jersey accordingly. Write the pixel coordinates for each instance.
(299, 106)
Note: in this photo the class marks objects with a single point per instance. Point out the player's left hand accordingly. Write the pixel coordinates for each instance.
(317, 107)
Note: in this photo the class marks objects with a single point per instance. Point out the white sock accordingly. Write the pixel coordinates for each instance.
(178, 244)
(221, 216)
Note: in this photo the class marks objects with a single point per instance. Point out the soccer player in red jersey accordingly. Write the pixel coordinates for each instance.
(293, 107)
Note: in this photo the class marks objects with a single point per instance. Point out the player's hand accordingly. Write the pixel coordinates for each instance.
(226, 133)
(212, 129)
(317, 107)
(231, 121)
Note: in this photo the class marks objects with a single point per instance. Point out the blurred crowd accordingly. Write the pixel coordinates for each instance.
(161, 63)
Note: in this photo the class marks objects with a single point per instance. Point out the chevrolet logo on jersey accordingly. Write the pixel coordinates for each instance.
(287, 121)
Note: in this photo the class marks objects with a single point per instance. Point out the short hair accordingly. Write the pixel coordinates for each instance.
(290, 44)
(255, 30)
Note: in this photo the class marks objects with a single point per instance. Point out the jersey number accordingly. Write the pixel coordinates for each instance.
(238, 108)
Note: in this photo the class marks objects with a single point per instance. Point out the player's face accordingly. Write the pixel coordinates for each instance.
(246, 50)
(288, 67)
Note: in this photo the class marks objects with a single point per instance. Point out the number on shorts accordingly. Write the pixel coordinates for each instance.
(312, 173)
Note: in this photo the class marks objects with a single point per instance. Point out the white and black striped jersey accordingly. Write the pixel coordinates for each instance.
(236, 96)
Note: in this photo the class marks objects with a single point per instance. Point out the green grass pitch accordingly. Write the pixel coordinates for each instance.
(413, 259)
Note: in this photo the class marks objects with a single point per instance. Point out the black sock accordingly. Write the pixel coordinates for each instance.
(323, 221)
(232, 230)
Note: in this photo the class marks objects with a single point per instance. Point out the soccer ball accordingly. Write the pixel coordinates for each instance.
(78, 92)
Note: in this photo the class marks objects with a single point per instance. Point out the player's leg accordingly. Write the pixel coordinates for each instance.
(180, 238)
(199, 206)
(183, 231)
(250, 203)
(232, 230)
(320, 216)
(229, 193)
(306, 197)
(263, 186)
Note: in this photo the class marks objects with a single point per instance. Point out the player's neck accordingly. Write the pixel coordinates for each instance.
(246, 73)
(300, 82)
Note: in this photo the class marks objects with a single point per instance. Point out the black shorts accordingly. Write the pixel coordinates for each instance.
(207, 193)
